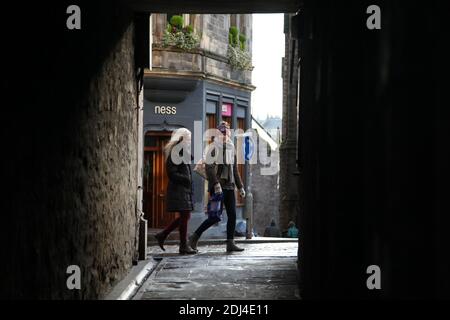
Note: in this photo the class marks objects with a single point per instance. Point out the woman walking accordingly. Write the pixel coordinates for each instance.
(223, 176)
(179, 188)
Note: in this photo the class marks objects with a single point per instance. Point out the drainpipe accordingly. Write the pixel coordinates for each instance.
(249, 195)
(249, 207)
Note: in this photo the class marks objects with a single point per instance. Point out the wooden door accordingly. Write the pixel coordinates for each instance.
(155, 181)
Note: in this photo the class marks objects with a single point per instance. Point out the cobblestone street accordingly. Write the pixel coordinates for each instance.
(263, 271)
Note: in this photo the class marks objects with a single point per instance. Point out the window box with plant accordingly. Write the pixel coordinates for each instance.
(178, 36)
(238, 56)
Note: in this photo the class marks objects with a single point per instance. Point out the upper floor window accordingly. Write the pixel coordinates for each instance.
(234, 21)
(239, 21)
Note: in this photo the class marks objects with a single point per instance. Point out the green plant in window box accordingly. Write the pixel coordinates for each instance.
(178, 36)
(177, 22)
(242, 40)
(189, 29)
(238, 57)
(233, 36)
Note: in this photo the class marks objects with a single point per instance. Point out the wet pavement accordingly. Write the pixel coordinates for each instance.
(264, 271)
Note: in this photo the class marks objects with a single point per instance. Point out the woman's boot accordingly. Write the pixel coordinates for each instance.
(193, 240)
(161, 237)
(186, 249)
(231, 246)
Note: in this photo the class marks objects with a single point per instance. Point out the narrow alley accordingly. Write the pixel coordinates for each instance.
(96, 94)
(264, 271)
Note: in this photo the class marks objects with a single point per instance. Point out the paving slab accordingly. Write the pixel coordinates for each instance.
(264, 271)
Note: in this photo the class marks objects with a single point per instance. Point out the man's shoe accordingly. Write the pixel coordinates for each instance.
(186, 249)
(161, 238)
(231, 246)
(193, 240)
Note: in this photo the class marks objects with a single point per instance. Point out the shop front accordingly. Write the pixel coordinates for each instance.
(172, 103)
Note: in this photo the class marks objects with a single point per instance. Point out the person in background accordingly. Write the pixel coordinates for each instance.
(272, 230)
(292, 230)
(179, 188)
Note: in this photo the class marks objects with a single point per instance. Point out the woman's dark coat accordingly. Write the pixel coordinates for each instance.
(179, 189)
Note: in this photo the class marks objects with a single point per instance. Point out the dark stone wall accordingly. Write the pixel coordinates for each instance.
(70, 130)
(374, 160)
(289, 190)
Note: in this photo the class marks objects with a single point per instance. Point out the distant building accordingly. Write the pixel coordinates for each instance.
(273, 124)
(265, 188)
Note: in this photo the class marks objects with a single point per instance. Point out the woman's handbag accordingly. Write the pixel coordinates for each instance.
(201, 169)
(214, 206)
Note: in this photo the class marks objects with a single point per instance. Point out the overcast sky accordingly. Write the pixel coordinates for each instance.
(268, 49)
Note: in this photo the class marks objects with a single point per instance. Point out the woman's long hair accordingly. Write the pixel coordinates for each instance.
(177, 136)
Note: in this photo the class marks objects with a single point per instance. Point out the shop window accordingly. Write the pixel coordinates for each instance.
(227, 112)
(211, 122)
(211, 106)
(228, 120)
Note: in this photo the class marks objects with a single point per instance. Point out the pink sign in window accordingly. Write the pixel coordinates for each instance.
(227, 109)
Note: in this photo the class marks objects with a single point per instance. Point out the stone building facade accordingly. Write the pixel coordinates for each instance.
(209, 59)
(289, 186)
(265, 188)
